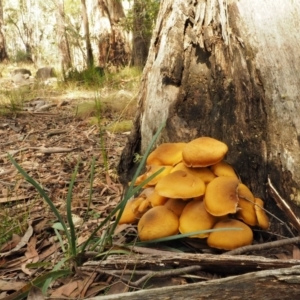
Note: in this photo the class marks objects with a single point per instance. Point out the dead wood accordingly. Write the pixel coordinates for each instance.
(263, 246)
(268, 284)
(225, 264)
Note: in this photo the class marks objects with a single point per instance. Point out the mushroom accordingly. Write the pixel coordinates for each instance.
(180, 184)
(223, 168)
(176, 205)
(150, 171)
(167, 154)
(158, 222)
(203, 152)
(246, 212)
(203, 173)
(230, 239)
(194, 217)
(221, 196)
(244, 192)
(134, 209)
(262, 218)
(155, 199)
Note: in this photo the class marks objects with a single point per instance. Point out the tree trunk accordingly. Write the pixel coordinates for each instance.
(3, 53)
(63, 44)
(89, 51)
(229, 70)
(140, 40)
(113, 44)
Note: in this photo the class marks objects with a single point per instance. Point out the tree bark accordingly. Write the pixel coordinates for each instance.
(63, 43)
(113, 44)
(271, 284)
(229, 70)
(3, 53)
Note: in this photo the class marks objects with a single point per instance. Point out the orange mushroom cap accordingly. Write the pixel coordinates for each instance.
(134, 209)
(203, 152)
(155, 199)
(221, 196)
(262, 218)
(158, 222)
(195, 217)
(150, 171)
(176, 205)
(246, 212)
(203, 173)
(167, 154)
(223, 168)
(230, 239)
(180, 184)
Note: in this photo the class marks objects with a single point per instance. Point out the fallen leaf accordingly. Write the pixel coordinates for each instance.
(35, 294)
(31, 250)
(11, 285)
(22, 243)
(296, 252)
(66, 290)
(118, 288)
(15, 240)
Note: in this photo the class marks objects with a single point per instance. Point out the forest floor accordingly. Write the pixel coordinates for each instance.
(48, 135)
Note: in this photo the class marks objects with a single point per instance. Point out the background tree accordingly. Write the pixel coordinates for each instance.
(86, 30)
(113, 44)
(141, 21)
(63, 43)
(3, 53)
(20, 16)
(227, 70)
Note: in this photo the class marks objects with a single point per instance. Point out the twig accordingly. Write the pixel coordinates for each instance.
(146, 273)
(268, 245)
(180, 271)
(282, 204)
(53, 149)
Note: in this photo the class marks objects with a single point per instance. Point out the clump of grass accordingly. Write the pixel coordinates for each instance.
(121, 126)
(93, 76)
(10, 224)
(13, 101)
(73, 252)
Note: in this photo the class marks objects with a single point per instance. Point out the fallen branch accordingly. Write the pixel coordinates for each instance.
(264, 246)
(282, 204)
(173, 272)
(146, 274)
(53, 149)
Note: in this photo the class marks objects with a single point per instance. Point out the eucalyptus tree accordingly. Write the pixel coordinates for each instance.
(3, 53)
(230, 70)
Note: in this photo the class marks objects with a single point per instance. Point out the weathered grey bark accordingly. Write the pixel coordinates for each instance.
(63, 44)
(252, 285)
(230, 70)
(113, 44)
(3, 53)
(89, 51)
(271, 284)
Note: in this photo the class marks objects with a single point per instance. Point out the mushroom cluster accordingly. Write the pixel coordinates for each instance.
(196, 190)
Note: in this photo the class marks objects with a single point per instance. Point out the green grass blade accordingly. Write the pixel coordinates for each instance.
(180, 236)
(72, 241)
(143, 161)
(131, 191)
(49, 279)
(23, 293)
(59, 239)
(92, 174)
(42, 193)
